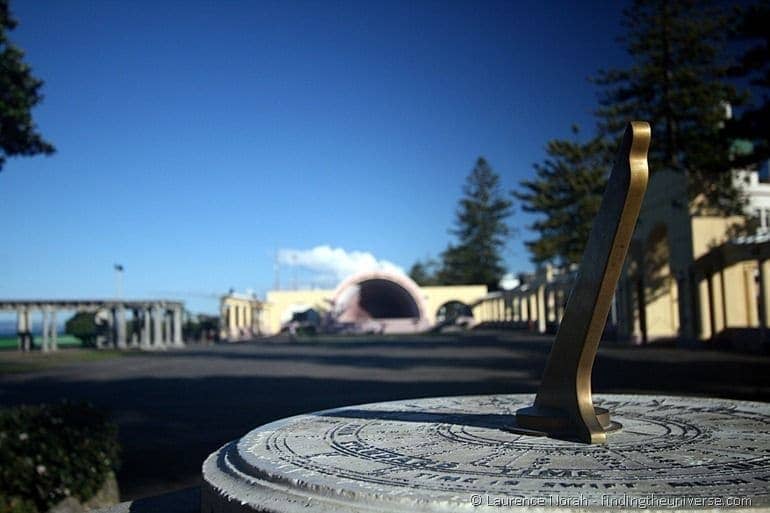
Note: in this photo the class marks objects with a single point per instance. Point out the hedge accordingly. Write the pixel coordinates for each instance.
(50, 452)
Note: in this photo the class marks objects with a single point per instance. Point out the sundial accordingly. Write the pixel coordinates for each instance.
(562, 449)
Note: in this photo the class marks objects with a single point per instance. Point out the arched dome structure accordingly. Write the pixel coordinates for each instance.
(380, 301)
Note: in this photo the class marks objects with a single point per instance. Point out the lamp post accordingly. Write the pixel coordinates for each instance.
(119, 313)
(118, 281)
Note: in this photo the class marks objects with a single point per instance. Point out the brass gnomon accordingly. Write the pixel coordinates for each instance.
(563, 406)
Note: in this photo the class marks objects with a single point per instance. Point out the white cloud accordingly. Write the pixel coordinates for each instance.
(335, 261)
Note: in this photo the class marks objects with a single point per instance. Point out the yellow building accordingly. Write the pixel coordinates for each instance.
(389, 302)
(240, 317)
(666, 292)
(687, 276)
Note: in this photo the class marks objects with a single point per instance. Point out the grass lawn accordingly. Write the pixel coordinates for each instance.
(12, 343)
(15, 361)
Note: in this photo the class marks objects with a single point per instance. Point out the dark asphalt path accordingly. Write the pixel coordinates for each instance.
(174, 408)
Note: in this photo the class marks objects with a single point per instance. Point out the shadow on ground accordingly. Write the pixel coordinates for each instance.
(175, 408)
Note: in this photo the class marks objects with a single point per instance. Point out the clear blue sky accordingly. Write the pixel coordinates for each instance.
(195, 139)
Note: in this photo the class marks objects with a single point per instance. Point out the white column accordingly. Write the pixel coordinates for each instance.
(157, 339)
(541, 309)
(146, 318)
(550, 305)
(533, 309)
(54, 329)
(167, 330)
(46, 328)
(178, 326)
(222, 320)
(22, 328)
(28, 328)
(121, 326)
(704, 306)
(113, 342)
(231, 314)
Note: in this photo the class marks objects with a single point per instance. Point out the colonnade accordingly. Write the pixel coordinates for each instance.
(729, 299)
(537, 306)
(155, 324)
(24, 328)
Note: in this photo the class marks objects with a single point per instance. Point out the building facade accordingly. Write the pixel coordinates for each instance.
(687, 276)
(240, 317)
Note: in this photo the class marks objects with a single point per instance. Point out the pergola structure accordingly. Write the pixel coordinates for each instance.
(159, 326)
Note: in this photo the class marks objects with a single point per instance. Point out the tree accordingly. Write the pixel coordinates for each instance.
(566, 194)
(83, 326)
(19, 92)
(678, 83)
(481, 231)
(754, 65)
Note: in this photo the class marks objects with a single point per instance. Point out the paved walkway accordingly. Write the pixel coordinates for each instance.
(174, 408)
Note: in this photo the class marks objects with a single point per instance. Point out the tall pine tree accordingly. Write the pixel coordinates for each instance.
(19, 92)
(481, 231)
(566, 195)
(677, 82)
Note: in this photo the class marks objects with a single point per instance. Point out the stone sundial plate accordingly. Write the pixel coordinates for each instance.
(454, 454)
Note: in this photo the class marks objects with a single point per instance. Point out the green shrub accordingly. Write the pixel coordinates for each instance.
(83, 326)
(50, 452)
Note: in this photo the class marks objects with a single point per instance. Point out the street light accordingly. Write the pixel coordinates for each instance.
(118, 281)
